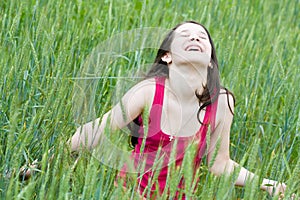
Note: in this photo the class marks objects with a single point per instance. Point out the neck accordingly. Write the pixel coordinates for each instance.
(184, 80)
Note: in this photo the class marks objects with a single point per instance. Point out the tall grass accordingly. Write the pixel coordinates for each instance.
(44, 45)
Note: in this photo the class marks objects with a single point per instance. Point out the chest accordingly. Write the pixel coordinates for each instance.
(180, 118)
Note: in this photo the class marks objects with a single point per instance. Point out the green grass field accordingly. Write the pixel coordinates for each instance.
(44, 45)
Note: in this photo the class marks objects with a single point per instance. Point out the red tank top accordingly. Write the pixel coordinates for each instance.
(154, 147)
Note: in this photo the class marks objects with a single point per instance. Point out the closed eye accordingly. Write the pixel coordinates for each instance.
(184, 34)
(203, 36)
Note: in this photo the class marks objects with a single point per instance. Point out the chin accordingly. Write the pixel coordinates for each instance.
(195, 58)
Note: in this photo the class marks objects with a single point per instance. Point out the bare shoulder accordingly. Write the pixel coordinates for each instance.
(225, 106)
(146, 84)
(133, 103)
(143, 90)
(226, 99)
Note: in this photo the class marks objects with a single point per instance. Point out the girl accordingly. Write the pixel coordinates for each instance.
(186, 101)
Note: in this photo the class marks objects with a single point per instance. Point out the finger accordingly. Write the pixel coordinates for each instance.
(24, 173)
(293, 196)
(281, 196)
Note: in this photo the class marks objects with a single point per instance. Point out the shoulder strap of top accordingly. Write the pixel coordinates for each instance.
(210, 115)
(156, 108)
(213, 114)
(159, 91)
(209, 119)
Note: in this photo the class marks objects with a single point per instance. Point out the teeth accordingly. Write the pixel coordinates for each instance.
(193, 48)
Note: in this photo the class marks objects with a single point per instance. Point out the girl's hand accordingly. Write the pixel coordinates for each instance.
(278, 190)
(26, 171)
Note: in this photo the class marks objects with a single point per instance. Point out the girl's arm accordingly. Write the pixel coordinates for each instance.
(222, 162)
(130, 106)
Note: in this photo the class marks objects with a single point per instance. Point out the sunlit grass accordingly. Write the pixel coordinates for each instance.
(45, 44)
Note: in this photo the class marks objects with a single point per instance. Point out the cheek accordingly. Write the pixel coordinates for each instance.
(210, 50)
(208, 47)
(176, 47)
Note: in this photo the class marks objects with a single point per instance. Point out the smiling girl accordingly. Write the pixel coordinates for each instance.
(187, 105)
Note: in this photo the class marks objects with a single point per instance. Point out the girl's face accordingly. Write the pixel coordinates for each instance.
(190, 44)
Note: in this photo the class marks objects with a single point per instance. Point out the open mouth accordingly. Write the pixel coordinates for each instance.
(193, 48)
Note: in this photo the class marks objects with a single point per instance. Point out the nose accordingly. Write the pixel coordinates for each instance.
(194, 36)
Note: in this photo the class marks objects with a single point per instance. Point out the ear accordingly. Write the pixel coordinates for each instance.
(210, 65)
(167, 58)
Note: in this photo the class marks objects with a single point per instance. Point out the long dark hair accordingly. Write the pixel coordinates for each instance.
(211, 88)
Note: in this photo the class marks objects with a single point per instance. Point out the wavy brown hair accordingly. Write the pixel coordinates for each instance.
(211, 88)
